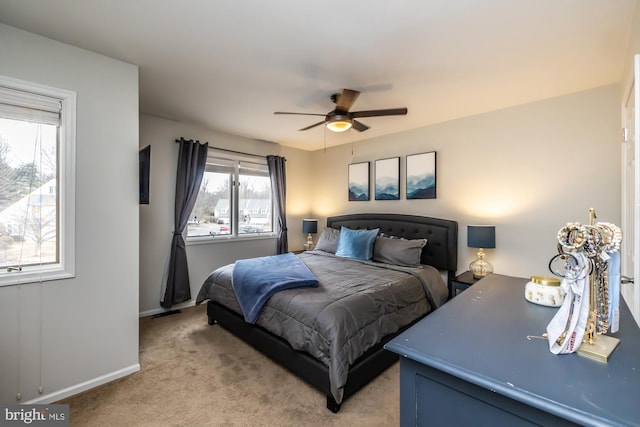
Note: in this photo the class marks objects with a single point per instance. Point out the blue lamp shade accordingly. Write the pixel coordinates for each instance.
(310, 226)
(481, 236)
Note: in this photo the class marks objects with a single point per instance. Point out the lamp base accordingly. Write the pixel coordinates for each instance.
(480, 267)
(309, 245)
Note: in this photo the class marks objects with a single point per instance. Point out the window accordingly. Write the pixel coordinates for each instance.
(234, 199)
(37, 187)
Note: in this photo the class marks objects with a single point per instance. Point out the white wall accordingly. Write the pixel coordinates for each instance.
(527, 169)
(156, 219)
(634, 49)
(84, 330)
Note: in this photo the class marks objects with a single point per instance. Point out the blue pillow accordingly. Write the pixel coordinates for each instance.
(356, 244)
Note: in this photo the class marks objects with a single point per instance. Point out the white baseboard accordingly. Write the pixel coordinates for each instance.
(79, 388)
(162, 310)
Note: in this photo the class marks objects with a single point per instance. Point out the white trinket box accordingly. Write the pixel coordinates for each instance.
(544, 291)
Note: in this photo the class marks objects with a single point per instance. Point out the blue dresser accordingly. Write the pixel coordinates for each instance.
(470, 364)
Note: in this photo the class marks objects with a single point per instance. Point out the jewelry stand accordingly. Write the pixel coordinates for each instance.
(595, 344)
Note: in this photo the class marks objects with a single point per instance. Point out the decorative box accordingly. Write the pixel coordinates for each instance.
(544, 291)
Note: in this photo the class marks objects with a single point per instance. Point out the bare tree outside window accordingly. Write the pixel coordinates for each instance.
(28, 193)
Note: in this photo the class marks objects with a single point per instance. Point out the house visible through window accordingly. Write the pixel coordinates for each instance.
(234, 198)
(37, 142)
(28, 208)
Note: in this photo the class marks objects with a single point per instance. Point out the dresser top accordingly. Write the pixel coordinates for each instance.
(480, 336)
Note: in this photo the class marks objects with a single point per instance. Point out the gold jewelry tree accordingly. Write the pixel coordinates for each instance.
(596, 241)
(596, 344)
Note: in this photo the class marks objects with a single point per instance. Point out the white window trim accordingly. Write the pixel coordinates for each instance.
(66, 268)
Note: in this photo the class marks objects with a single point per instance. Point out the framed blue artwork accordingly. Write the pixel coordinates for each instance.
(421, 176)
(388, 179)
(359, 181)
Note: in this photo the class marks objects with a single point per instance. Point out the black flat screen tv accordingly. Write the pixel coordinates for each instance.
(145, 170)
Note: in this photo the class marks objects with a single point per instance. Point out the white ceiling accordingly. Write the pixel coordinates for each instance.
(229, 64)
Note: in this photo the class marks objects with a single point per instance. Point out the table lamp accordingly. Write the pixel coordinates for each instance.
(309, 226)
(481, 237)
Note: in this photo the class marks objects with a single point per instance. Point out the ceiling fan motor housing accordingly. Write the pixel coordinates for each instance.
(337, 117)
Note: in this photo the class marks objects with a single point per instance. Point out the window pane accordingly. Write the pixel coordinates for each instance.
(254, 204)
(28, 193)
(234, 199)
(212, 212)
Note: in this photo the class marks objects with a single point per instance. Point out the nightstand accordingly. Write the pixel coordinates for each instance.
(462, 282)
(297, 252)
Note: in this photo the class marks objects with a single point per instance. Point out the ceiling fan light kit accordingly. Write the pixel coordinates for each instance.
(339, 123)
(341, 119)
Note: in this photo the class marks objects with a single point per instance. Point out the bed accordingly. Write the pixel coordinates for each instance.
(337, 346)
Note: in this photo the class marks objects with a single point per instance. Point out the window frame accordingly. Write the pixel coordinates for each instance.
(65, 267)
(234, 203)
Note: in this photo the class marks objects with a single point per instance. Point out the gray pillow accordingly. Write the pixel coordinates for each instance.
(328, 241)
(402, 252)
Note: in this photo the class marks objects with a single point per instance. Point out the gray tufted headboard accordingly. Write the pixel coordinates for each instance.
(441, 250)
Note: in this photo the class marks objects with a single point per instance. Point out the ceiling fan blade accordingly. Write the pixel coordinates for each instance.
(359, 126)
(378, 113)
(312, 126)
(299, 114)
(346, 99)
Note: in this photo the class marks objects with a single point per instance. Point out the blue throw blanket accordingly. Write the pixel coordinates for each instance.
(255, 280)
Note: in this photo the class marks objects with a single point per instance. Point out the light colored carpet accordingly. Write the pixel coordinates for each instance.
(193, 374)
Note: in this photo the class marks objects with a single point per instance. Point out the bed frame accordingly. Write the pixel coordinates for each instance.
(441, 252)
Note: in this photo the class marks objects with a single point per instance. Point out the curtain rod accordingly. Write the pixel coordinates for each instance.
(232, 151)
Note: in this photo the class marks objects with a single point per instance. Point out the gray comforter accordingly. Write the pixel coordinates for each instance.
(356, 304)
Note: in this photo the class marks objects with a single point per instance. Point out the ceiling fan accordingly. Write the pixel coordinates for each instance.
(341, 119)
